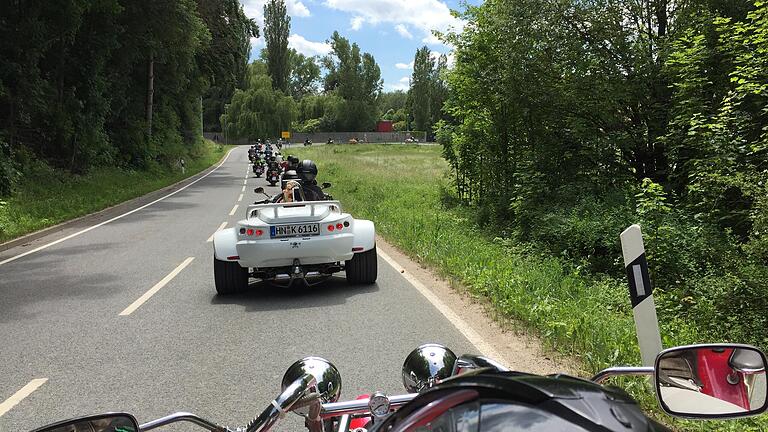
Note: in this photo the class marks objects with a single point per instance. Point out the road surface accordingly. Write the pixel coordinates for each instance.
(68, 351)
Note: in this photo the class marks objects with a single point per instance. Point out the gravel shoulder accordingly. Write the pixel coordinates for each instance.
(519, 350)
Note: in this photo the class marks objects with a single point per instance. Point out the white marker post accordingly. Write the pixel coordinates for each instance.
(641, 294)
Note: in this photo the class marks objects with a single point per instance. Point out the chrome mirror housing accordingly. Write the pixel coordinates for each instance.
(426, 366)
(469, 362)
(328, 378)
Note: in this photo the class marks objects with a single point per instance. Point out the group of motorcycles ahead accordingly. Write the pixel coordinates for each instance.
(297, 182)
(473, 393)
(294, 175)
(266, 160)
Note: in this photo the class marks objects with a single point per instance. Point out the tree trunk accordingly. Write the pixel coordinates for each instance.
(150, 94)
(662, 18)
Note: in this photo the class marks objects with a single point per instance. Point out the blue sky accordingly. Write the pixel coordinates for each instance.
(391, 30)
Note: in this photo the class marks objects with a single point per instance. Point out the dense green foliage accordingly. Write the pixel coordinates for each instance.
(226, 58)
(356, 79)
(304, 76)
(104, 83)
(573, 119)
(277, 26)
(349, 100)
(47, 196)
(428, 90)
(259, 110)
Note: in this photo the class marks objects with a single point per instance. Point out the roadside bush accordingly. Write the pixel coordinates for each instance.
(582, 229)
(8, 169)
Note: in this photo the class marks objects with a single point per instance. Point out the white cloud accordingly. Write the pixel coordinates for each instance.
(431, 39)
(426, 15)
(255, 9)
(256, 43)
(451, 59)
(403, 30)
(357, 23)
(404, 65)
(297, 9)
(306, 47)
(404, 84)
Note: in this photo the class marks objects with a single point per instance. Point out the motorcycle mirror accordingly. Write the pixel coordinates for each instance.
(98, 423)
(326, 185)
(259, 190)
(713, 381)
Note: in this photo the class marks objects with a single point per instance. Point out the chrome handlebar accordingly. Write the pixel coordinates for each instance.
(298, 392)
(184, 417)
(604, 374)
(360, 406)
(282, 404)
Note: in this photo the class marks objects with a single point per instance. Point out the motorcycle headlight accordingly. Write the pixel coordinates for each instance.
(426, 366)
(327, 376)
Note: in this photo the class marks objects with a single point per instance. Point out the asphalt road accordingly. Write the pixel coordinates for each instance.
(185, 348)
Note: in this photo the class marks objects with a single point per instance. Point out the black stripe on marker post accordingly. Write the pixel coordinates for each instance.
(639, 280)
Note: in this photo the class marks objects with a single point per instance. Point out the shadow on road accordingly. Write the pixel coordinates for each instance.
(32, 285)
(262, 296)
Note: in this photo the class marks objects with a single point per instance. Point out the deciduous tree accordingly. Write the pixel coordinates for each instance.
(277, 27)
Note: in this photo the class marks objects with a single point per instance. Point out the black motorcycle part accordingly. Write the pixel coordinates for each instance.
(537, 403)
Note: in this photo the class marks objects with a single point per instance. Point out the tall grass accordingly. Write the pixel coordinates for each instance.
(47, 197)
(588, 318)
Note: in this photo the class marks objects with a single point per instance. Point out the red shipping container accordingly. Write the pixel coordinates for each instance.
(384, 126)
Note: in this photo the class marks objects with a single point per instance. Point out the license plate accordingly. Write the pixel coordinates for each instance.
(294, 230)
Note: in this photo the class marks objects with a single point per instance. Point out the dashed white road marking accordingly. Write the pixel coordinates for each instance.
(245, 182)
(221, 227)
(21, 394)
(47, 245)
(234, 209)
(474, 337)
(240, 198)
(243, 189)
(152, 291)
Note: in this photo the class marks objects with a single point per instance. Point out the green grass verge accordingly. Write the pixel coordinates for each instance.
(400, 188)
(47, 197)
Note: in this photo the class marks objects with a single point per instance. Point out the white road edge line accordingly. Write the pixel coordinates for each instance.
(152, 291)
(474, 337)
(221, 227)
(240, 198)
(47, 245)
(21, 394)
(234, 209)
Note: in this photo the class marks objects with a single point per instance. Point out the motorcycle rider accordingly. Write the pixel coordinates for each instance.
(307, 171)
